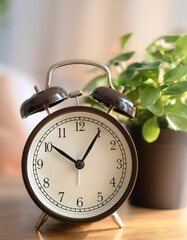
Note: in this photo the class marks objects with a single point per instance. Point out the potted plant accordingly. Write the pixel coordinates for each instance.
(158, 87)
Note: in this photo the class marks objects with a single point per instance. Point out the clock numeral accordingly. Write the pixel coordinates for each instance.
(113, 143)
(120, 165)
(113, 182)
(46, 182)
(100, 197)
(61, 195)
(79, 202)
(40, 163)
(80, 126)
(48, 146)
(61, 132)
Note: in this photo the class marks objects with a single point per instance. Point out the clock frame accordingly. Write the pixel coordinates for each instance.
(111, 120)
(50, 96)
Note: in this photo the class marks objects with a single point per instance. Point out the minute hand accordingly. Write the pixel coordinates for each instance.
(91, 145)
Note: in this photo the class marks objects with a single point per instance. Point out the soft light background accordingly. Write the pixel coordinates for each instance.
(35, 34)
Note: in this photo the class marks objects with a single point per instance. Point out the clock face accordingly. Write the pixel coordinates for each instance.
(79, 164)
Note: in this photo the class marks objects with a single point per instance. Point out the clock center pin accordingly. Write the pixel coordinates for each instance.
(79, 164)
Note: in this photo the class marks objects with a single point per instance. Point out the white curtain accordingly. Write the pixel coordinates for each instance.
(39, 33)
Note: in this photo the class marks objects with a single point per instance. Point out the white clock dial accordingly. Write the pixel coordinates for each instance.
(79, 164)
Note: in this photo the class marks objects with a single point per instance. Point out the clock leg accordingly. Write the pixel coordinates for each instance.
(41, 220)
(116, 218)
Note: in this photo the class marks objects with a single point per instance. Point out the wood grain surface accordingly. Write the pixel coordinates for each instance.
(18, 216)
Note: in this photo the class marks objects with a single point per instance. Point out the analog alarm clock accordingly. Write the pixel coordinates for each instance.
(79, 164)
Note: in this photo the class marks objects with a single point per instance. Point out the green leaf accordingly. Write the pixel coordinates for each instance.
(157, 108)
(175, 74)
(122, 57)
(179, 121)
(134, 66)
(178, 109)
(181, 45)
(169, 38)
(140, 66)
(149, 95)
(177, 115)
(97, 81)
(138, 72)
(176, 88)
(164, 86)
(154, 47)
(125, 77)
(149, 65)
(150, 130)
(163, 56)
(94, 103)
(4, 4)
(147, 71)
(162, 122)
(133, 95)
(163, 49)
(142, 116)
(150, 74)
(124, 39)
(150, 82)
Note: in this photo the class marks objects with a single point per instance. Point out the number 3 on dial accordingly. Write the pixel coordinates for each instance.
(79, 164)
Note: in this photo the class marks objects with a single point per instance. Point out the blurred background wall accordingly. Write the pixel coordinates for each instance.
(35, 34)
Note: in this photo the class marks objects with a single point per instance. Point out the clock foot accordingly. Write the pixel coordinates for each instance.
(41, 220)
(115, 217)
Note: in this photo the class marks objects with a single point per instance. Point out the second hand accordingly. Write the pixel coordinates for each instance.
(79, 177)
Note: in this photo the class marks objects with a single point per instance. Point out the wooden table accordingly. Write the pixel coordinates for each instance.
(18, 215)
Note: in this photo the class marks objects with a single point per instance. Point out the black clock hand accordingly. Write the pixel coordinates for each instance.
(91, 145)
(64, 154)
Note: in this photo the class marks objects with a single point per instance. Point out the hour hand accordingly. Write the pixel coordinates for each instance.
(64, 154)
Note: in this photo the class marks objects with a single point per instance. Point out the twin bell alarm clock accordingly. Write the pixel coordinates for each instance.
(79, 164)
